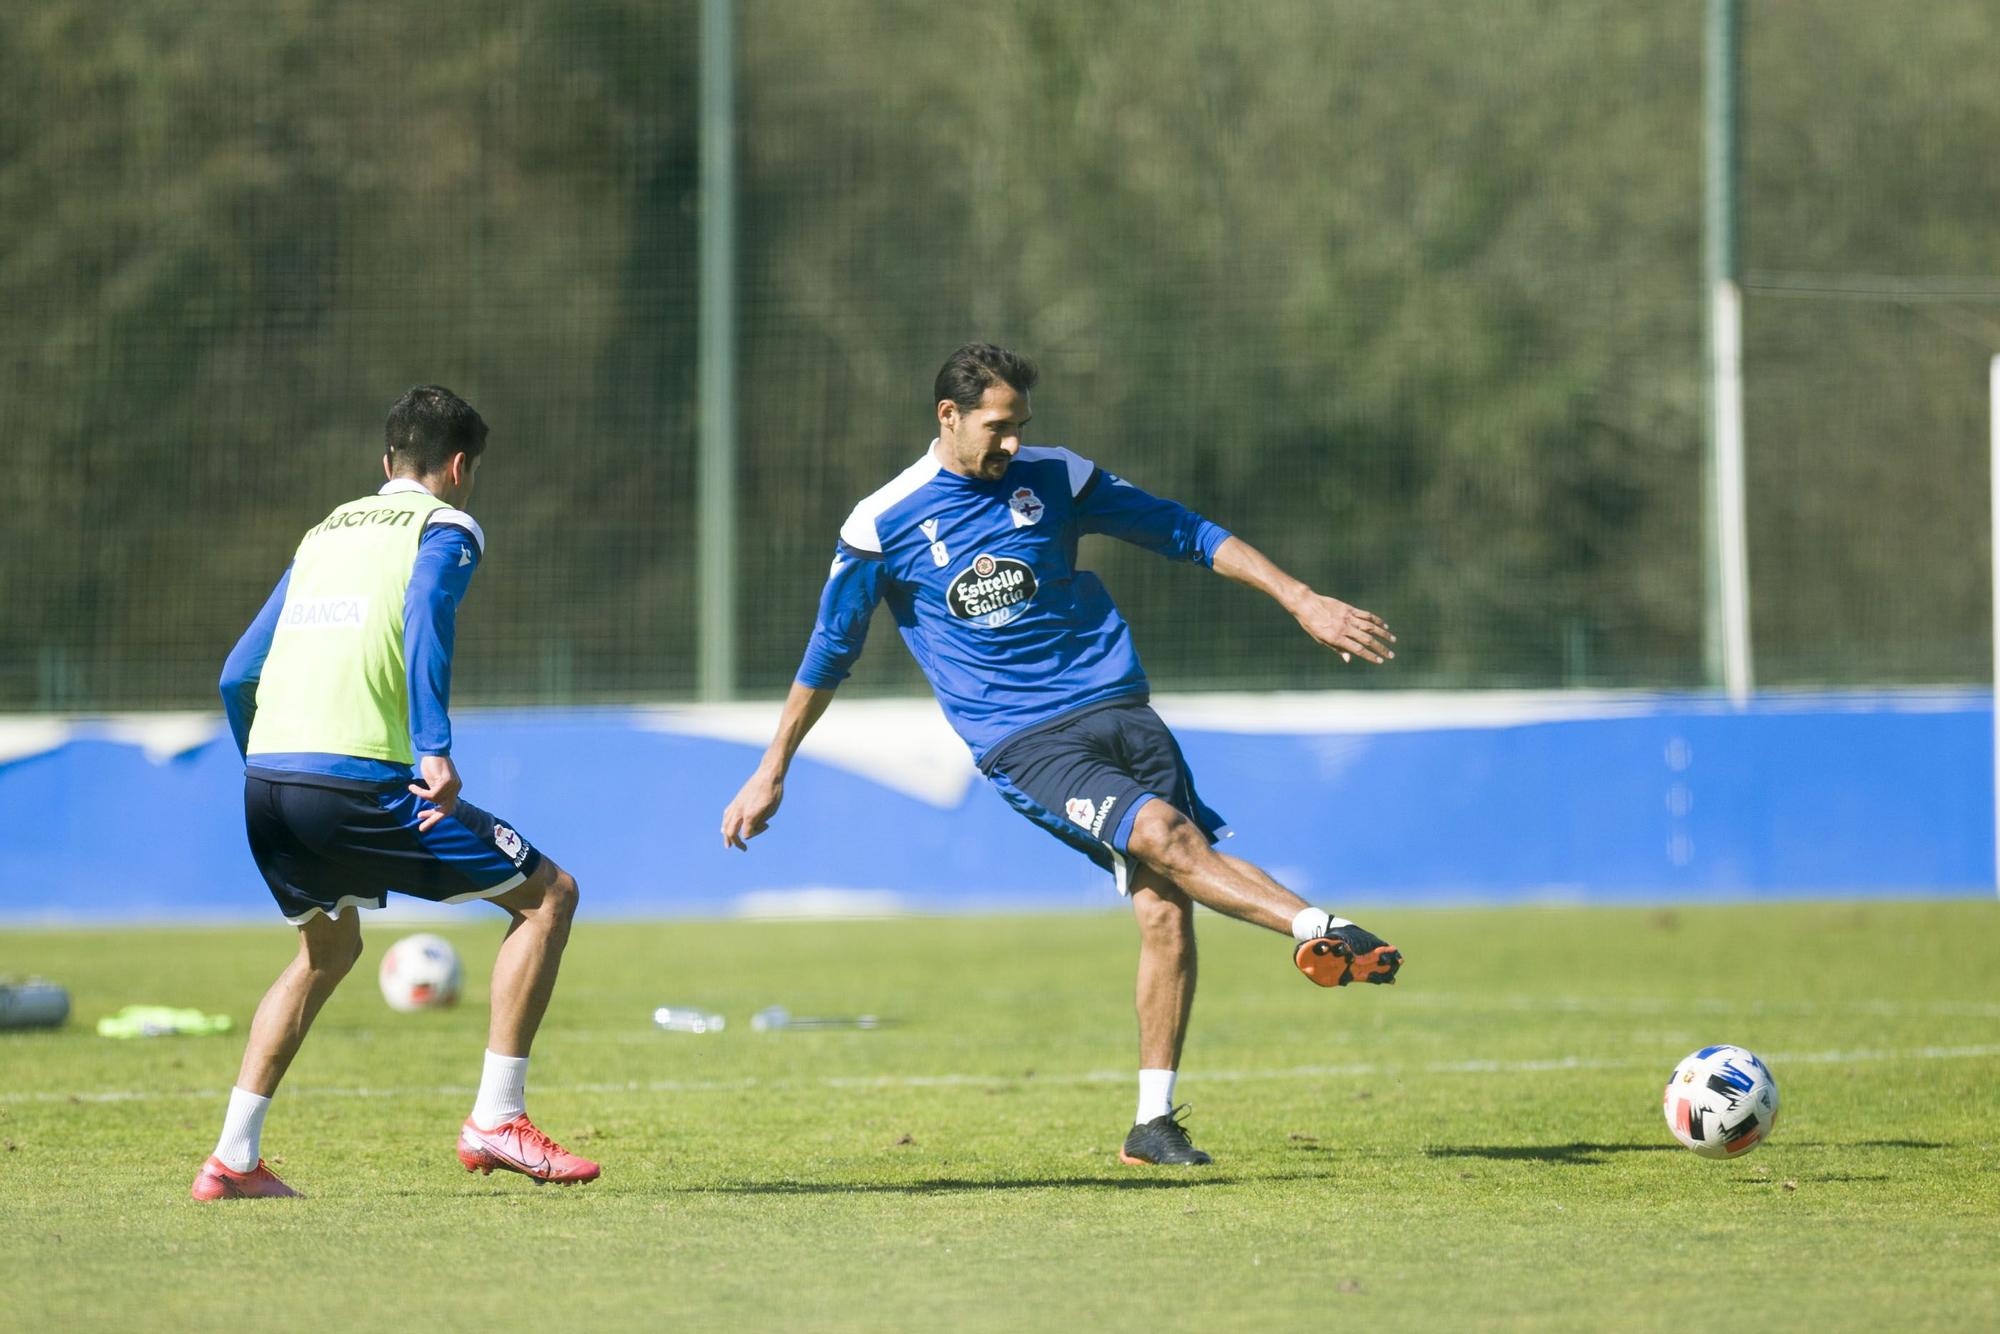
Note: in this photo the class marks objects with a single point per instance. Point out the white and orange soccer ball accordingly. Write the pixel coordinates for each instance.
(1721, 1102)
(420, 972)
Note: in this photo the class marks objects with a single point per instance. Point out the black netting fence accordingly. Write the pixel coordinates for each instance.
(1407, 294)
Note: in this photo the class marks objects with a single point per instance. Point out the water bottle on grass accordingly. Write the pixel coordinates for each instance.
(677, 1019)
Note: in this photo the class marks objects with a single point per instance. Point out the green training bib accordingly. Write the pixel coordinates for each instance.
(335, 682)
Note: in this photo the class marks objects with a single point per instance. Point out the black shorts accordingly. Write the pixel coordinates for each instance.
(323, 849)
(1083, 779)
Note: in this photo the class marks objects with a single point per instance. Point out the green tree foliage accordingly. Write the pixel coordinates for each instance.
(1408, 294)
(237, 232)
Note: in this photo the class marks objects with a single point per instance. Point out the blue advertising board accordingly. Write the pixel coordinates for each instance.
(1350, 798)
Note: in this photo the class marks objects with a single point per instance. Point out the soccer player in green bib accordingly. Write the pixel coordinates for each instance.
(337, 697)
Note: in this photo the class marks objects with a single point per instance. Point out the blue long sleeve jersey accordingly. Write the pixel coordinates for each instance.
(983, 582)
(446, 558)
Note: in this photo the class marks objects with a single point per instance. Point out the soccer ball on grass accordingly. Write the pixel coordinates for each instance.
(420, 972)
(1721, 1102)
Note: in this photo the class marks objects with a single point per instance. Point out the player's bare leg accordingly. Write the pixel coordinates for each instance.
(1166, 968)
(1165, 995)
(499, 1134)
(1172, 845)
(1332, 952)
(524, 974)
(328, 947)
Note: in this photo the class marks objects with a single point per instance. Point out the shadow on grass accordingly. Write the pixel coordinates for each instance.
(1577, 1152)
(1581, 1152)
(1819, 1178)
(944, 1185)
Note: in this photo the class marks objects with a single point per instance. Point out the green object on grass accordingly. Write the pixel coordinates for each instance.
(159, 1021)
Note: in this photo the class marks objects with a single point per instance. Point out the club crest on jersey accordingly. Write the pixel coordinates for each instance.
(1026, 505)
(993, 590)
(939, 556)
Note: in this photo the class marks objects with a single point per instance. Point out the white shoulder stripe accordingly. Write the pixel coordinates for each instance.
(460, 519)
(859, 531)
(1079, 467)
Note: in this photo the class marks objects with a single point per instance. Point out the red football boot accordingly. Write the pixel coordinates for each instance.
(518, 1146)
(216, 1181)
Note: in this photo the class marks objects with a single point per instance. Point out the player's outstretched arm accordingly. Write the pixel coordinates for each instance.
(853, 586)
(750, 813)
(1347, 630)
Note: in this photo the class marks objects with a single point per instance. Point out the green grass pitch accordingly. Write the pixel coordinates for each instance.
(1479, 1147)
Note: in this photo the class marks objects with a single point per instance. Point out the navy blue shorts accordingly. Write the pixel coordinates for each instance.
(323, 849)
(1085, 777)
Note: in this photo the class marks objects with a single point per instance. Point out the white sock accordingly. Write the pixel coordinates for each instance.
(242, 1130)
(503, 1091)
(1311, 924)
(1156, 1094)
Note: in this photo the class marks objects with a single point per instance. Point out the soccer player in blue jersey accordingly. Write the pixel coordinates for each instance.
(974, 548)
(337, 696)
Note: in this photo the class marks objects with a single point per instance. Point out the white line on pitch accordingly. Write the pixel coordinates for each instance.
(1543, 1066)
(1431, 1000)
(1650, 1005)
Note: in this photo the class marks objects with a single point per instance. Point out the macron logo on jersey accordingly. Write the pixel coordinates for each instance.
(940, 555)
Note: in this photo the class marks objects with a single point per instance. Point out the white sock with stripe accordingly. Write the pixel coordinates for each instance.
(503, 1091)
(242, 1130)
(1156, 1094)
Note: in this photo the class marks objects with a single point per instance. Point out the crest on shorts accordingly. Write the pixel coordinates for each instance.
(1092, 815)
(1027, 507)
(510, 843)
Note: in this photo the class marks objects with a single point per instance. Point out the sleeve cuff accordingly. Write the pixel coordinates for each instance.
(1208, 540)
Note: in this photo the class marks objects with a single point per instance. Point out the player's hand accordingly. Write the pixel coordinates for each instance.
(1348, 631)
(750, 814)
(439, 788)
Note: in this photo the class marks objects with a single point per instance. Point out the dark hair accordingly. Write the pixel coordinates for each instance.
(969, 372)
(427, 426)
